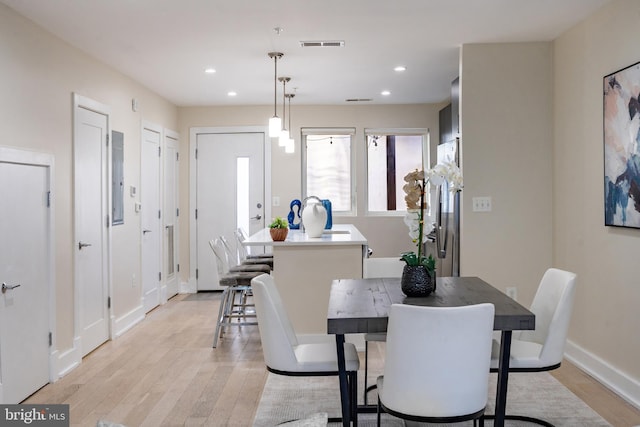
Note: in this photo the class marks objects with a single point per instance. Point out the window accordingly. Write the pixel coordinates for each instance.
(327, 166)
(391, 154)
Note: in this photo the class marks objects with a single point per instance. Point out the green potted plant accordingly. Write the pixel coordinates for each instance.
(279, 228)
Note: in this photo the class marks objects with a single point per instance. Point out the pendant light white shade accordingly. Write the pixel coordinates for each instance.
(275, 126)
(283, 138)
(275, 123)
(290, 147)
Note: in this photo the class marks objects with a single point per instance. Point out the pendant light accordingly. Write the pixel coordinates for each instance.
(275, 123)
(284, 133)
(290, 147)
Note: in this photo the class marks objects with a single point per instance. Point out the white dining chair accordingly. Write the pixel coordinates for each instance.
(542, 349)
(437, 363)
(377, 267)
(284, 354)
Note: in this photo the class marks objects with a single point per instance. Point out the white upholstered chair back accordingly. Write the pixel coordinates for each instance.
(437, 360)
(552, 306)
(276, 332)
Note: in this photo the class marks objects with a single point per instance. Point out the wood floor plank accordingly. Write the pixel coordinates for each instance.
(163, 372)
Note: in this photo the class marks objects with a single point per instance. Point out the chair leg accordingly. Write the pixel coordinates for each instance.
(221, 315)
(379, 410)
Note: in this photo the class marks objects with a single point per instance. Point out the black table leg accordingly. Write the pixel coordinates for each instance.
(342, 375)
(503, 378)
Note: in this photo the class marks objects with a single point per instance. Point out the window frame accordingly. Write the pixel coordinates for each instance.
(426, 160)
(319, 131)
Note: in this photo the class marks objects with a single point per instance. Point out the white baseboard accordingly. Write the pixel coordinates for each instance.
(611, 377)
(67, 361)
(124, 323)
(188, 287)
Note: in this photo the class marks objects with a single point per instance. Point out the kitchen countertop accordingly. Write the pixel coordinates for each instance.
(339, 234)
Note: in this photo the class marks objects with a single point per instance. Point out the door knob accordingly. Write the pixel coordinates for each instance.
(83, 245)
(145, 231)
(256, 217)
(6, 287)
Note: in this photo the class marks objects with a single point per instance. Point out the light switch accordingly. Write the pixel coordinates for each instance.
(481, 204)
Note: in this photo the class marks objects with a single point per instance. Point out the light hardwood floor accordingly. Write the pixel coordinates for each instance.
(164, 372)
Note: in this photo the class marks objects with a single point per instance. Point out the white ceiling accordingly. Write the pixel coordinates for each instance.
(167, 44)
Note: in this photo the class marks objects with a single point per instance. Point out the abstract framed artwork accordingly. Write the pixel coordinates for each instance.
(622, 147)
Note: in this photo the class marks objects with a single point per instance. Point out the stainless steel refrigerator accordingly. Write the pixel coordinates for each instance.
(444, 241)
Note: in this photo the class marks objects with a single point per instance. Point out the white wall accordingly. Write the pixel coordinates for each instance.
(38, 76)
(506, 125)
(604, 330)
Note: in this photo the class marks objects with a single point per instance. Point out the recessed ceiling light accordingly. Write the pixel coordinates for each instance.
(385, 93)
(209, 70)
(232, 93)
(400, 68)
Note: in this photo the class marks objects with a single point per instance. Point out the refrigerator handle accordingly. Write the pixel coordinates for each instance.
(442, 236)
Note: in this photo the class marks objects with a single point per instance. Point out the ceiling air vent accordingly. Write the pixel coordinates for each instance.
(358, 100)
(320, 43)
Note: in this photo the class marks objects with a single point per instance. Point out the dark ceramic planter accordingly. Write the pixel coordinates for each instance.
(416, 281)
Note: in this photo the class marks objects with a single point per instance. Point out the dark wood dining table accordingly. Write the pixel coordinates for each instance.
(362, 306)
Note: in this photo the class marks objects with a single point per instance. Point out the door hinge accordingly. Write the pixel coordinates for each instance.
(159, 276)
(177, 157)
(108, 221)
(48, 199)
(108, 302)
(178, 268)
(50, 339)
(196, 274)
(177, 211)
(196, 213)
(158, 213)
(107, 137)
(159, 149)
(196, 153)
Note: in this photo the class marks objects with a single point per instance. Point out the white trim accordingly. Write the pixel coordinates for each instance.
(124, 323)
(80, 101)
(611, 377)
(191, 286)
(21, 156)
(69, 360)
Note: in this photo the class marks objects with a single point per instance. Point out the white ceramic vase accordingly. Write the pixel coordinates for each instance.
(314, 216)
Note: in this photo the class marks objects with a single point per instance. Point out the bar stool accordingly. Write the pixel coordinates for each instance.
(243, 254)
(235, 308)
(225, 257)
(253, 264)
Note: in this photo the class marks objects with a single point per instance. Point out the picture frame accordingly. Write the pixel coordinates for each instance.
(621, 135)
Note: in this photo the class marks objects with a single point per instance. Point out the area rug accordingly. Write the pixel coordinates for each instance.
(535, 395)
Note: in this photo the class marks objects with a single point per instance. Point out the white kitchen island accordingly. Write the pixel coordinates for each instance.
(304, 267)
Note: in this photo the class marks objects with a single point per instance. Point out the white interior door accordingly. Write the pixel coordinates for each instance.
(91, 224)
(25, 264)
(151, 219)
(170, 197)
(229, 194)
